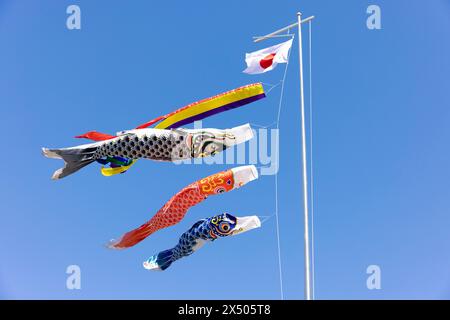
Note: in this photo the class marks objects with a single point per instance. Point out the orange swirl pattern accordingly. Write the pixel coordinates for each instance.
(217, 183)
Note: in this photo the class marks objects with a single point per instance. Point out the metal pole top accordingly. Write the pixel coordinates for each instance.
(270, 35)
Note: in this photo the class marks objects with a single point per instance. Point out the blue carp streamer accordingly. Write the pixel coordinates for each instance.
(202, 231)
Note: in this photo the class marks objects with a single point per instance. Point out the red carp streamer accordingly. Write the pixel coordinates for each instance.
(176, 208)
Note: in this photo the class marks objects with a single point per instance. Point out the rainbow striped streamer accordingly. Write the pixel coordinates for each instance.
(210, 106)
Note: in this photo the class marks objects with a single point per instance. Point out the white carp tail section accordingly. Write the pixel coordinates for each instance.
(151, 264)
(243, 175)
(160, 261)
(74, 158)
(245, 224)
(240, 134)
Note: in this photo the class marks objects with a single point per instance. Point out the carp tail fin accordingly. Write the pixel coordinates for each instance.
(160, 261)
(74, 159)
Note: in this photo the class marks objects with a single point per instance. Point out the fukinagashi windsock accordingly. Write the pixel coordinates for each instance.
(203, 231)
(176, 208)
(154, 144)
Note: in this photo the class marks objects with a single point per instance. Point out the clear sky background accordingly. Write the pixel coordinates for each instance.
(381, 155)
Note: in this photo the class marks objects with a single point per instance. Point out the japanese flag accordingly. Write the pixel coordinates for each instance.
(266, 59)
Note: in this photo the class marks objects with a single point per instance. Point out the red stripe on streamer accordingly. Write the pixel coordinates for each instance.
(147, 124)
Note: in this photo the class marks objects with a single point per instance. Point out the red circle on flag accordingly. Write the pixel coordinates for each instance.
(267, 61)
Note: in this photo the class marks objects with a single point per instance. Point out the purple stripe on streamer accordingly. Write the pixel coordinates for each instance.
(226, 107)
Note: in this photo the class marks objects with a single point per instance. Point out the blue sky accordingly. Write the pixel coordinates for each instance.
(381, 151)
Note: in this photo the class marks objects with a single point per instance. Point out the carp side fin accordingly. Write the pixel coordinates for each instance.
(95, 136)
(109, 172)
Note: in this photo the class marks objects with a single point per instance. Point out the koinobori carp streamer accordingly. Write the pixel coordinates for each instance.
(193, 112)
(175, 209)
(203, 231)
(154, 144)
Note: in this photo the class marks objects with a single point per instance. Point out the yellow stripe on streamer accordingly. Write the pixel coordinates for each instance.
(199, 110)
(210, 106)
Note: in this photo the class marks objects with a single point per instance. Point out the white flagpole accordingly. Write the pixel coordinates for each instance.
(304, 165)
(303, 137)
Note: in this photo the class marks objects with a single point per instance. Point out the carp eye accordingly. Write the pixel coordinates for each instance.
(224, 227)
(220, 190)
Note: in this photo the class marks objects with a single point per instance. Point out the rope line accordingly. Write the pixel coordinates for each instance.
(273, 86)
(311, 168)
(263, 126)
(266, 218)
(280, 267)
